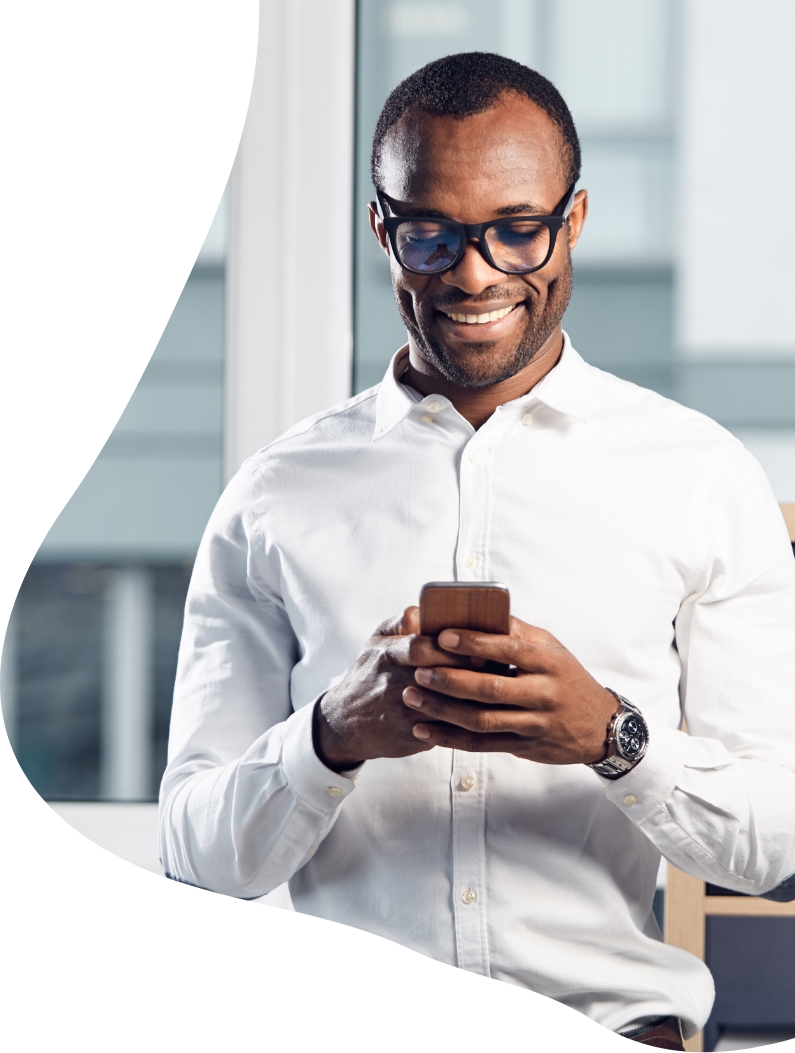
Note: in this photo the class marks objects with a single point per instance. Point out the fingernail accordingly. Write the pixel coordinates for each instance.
(421, 732)
(412, 697)
(448, 639)
(423, 676)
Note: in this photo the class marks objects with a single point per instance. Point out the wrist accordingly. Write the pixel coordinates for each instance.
(627, 740)
(336, 755)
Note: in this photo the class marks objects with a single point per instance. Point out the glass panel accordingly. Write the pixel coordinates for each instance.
(629, 187)
(89, 663)
(610, 61)
(613, 62)
(617, 63)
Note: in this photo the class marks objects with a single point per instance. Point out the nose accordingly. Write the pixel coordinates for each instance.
(473, 273)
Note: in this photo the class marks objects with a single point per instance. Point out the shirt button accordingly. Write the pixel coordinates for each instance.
(527, 419)
(433, 407)
(427, 419)
(335, 791)
(469, 896)
(476, 456)
(471, 560)
(630, 799)
(468, 782)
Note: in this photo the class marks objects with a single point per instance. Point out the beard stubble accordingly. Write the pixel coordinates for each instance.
(485, 371)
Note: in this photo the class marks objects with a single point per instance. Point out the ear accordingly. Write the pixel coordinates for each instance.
(377, 226)
(579, 211)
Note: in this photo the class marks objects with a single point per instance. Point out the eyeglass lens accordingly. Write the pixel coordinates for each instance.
(429, 246)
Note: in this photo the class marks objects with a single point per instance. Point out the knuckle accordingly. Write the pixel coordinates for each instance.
(383, 658)
(549, 642)
(495, 689)
(415, 649)
(386, 628)
(513, 649)
(549, 698)
(484, 721)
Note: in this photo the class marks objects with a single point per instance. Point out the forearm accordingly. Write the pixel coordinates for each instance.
(726, 819)
(245, 827)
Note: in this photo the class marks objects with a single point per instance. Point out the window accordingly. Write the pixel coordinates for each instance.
(89, 661)
(636, 76)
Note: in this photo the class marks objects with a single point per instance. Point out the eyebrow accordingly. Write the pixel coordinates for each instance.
(524, 209)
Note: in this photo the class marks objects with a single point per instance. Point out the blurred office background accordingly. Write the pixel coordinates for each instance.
(256, 342)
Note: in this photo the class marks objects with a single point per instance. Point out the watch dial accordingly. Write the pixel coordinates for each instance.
(631, 737)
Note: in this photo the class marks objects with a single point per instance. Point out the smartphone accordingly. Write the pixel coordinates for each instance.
(481, 605)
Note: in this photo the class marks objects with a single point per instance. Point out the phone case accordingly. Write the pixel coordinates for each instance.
(481, 605)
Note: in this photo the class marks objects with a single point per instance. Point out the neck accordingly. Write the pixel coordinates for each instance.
(478, 404)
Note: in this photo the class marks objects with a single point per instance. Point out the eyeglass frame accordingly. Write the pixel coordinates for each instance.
(476, 231)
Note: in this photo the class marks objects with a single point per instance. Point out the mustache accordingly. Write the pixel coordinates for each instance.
(487, 296)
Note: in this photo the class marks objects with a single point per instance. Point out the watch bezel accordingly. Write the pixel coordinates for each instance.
(616, 763)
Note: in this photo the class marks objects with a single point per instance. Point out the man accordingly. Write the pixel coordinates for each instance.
(399, 786)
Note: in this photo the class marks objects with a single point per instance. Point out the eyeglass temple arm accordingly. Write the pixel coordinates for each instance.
(382, 202)
(569, 199)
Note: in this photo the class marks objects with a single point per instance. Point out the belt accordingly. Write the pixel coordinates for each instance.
(664, 1033)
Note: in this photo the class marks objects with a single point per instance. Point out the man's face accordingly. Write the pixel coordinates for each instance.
(506, 160)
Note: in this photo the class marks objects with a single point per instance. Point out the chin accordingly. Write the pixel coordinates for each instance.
(481, 366)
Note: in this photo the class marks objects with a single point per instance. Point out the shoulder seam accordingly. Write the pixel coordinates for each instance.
(311, 421)
(334, 411)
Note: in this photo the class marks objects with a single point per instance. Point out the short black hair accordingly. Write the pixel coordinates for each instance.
(468, 83)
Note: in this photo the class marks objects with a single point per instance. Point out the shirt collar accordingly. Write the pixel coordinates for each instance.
(394, 400)
(563, 389)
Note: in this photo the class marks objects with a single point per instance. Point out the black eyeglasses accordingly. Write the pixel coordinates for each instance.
(515, 245)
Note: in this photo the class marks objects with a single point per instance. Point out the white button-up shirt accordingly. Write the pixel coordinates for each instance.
(638, 532)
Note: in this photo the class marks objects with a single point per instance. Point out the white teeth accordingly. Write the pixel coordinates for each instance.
(481, 319)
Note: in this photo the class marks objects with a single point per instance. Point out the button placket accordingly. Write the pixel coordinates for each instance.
(471, 562)
(475, 481)
(469, 865)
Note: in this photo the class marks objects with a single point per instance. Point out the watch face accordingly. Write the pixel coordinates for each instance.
(631, 737)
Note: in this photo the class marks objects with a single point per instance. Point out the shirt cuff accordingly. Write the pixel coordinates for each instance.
(304, 771)
(651, 782)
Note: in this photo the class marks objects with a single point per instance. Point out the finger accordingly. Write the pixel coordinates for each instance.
(528, 692)
(392, 626)
(485, 720)
(537, 652)
(411, 620)
(422, 650)
(470, 741)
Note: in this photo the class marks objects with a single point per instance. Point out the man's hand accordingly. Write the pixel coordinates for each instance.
(363, 716)
(552, 711)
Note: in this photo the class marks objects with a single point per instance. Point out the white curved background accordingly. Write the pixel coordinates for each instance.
(120, 124)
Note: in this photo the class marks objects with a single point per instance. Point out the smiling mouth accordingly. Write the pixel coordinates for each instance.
(480, 319)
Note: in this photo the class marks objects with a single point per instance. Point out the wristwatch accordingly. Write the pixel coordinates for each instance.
(627, 740)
